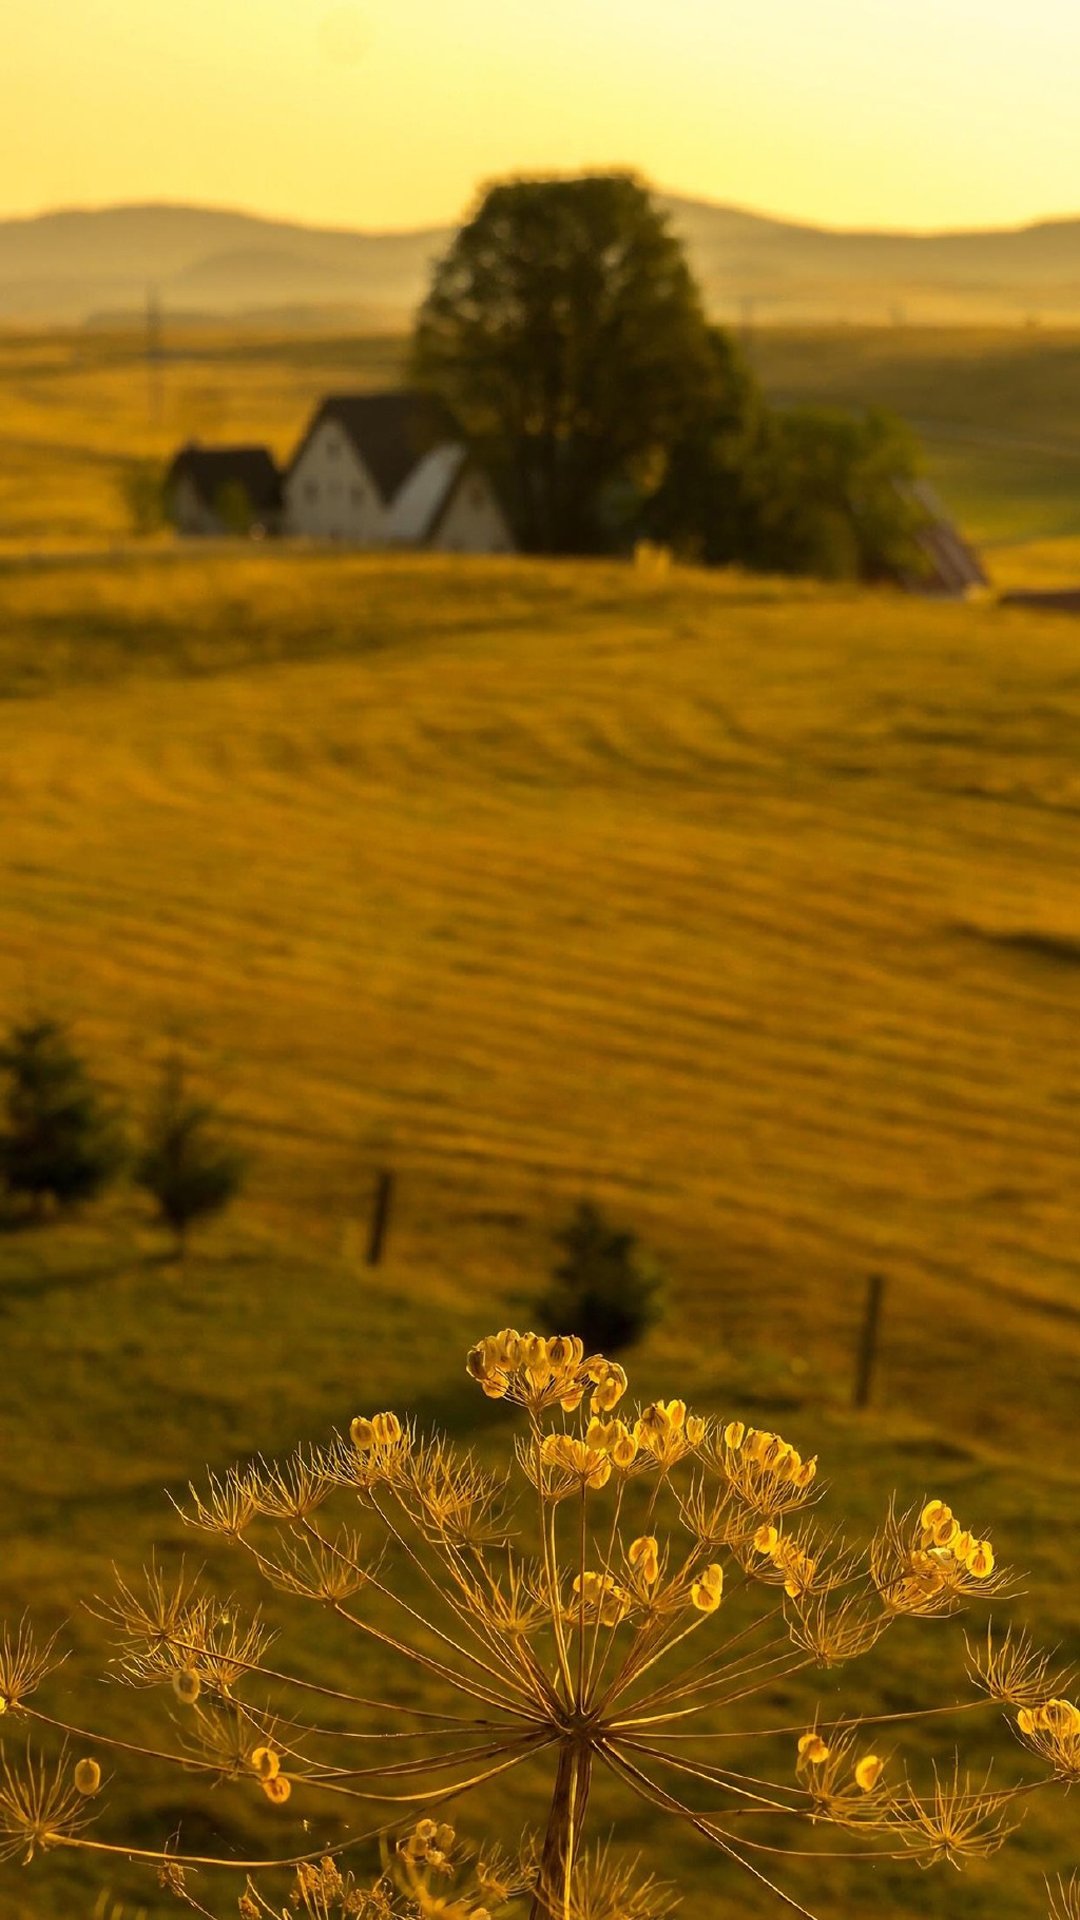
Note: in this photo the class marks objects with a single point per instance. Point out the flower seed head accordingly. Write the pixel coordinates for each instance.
(87, 1777)
(187, 1686)
(706, 1592)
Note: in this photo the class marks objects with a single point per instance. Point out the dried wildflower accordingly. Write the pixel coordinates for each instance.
(40, 1806)
(291, 1490)
(959, 1821)
(609, 1888)
(228, 1506)
(1053, 1732)
(461, 1501)
(833, 1630)
(768, 1474)
(1013, 1671)
(327, 1569)
(666, 1435)
(928, 1565)
(152, 1622)
(586, 1616)
(540, 1374)
(24, 1664)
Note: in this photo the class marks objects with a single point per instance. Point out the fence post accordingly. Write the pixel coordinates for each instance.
(380, 1217)
(868, 1340)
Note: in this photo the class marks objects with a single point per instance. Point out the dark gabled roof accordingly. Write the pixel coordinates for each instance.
(390, 431)
(952, 566)
(949, 563)
(210, 469)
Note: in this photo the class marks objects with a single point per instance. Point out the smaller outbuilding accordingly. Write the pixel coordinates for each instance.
(224, 490)
(951, 569)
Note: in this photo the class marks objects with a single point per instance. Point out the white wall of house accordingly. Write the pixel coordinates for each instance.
(474, 522)
(329, 493)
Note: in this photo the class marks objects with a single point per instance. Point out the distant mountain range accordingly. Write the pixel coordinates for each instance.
(202, 263)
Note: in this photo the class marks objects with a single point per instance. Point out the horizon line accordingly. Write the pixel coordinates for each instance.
(162, 204)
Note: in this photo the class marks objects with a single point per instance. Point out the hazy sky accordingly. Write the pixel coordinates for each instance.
(895, 112)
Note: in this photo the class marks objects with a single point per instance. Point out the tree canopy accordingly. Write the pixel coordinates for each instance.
(564, 328)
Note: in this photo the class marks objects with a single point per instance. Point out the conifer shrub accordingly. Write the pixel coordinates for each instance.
(189, 1170)
(59, 1138)
(604, 1288)
(627, 1594)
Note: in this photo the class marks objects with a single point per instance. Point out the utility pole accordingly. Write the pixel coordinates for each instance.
(155, 361)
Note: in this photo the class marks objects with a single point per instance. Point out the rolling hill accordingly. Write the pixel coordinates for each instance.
(748, 909)
(73, 265)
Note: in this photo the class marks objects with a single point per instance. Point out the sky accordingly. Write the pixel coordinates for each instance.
(888, 113)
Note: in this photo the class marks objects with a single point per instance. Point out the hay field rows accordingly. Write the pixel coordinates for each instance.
(751, 911)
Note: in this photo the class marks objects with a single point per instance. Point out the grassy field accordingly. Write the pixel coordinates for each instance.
(749, 911)
(998, 413)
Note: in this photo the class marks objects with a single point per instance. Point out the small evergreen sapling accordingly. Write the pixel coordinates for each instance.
(189, 1171)
(604, 1288)
(58, 1137)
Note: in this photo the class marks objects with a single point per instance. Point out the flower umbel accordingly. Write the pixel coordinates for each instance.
(618, 1605)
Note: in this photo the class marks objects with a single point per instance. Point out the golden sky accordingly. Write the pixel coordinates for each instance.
(921, 113)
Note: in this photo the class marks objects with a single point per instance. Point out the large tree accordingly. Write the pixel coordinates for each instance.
(564, 328)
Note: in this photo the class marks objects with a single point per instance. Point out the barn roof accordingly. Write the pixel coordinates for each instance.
(951, 565)
(390, 431)
(211, 469)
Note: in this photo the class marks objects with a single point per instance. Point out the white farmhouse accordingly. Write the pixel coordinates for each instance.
(391, 469)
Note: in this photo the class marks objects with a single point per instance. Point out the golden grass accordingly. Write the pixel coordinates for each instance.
(755, 915)
(748, 910)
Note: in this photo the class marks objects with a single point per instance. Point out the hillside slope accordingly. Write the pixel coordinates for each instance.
(749, 911)
(753, 910)
(73, 264)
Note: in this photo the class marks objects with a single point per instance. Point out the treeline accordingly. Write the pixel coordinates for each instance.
(64, 1143)
(566, 332)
